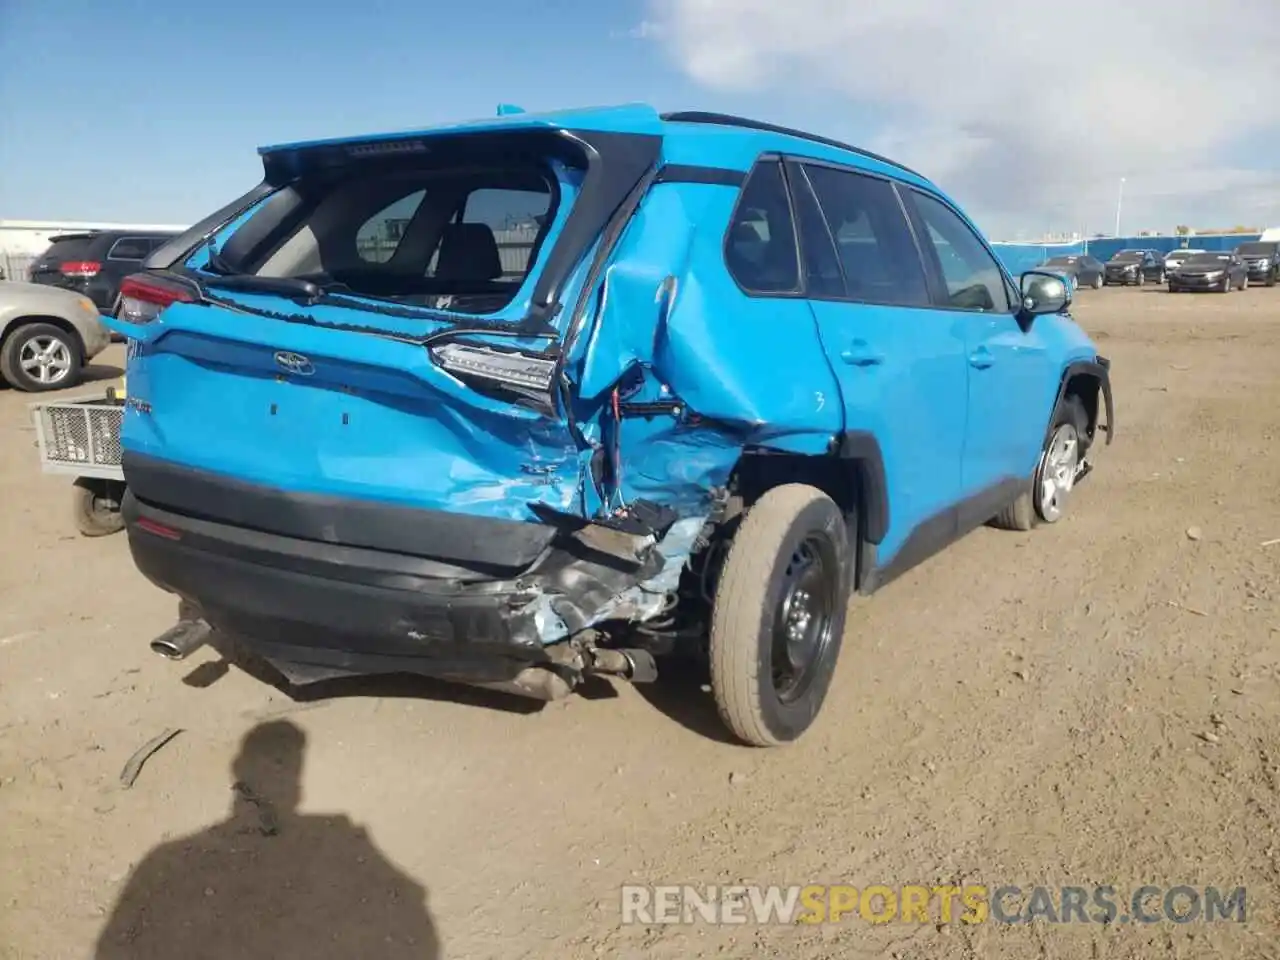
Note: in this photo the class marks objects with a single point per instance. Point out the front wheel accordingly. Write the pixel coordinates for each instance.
(778, 617)
(1141, 279)
(1226, 285)
(1055, 475)
(1097, 282)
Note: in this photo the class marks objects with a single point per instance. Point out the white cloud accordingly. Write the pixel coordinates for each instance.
(1029, 113)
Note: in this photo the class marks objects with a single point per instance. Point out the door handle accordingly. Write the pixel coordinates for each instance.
(860, 354)
(981, 358)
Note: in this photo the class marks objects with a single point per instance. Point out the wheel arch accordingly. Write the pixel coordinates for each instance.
(14, 324)
(852, 474)
(1090, 381)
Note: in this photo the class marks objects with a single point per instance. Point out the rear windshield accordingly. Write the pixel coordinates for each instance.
(1207, 259)
(457, 239)
(69, 247)
(1252, 249)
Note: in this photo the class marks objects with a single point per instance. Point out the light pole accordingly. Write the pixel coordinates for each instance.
(1119, 201)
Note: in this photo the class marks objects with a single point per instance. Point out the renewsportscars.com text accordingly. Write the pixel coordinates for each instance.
(970, 904)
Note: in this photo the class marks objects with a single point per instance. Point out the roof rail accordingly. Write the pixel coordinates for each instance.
(728, 120)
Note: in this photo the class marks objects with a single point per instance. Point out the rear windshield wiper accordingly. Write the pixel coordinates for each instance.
(290, 287)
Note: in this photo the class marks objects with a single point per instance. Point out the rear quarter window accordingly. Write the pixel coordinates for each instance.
(130, 248)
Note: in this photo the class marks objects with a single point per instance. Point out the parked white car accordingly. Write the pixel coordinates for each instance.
(47, 335)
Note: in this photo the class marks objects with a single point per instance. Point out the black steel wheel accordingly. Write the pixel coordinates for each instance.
(779, 613)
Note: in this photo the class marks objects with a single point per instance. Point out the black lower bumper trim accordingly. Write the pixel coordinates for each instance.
(484, 543)
(347, 608)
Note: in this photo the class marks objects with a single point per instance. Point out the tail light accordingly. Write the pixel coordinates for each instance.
(521, 372)
(143, 297)
(80, 268)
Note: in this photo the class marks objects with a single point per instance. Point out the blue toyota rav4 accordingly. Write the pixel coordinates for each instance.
(524, 400)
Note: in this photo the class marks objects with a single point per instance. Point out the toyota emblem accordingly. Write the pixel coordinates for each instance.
(294, 363)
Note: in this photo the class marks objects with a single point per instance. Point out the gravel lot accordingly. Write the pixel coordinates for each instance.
(1097, 702)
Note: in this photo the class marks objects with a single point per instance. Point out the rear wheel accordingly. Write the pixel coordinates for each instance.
(1226, 284)
(1097, 282)
(1244, 282)
(1141, 278)
(778, 618)
(1273, 276)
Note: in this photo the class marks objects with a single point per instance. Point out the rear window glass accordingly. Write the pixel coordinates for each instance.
(68, 248)
(1201, 259)
(1253, 249)
(461, 239)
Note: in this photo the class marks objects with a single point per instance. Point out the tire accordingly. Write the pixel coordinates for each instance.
(1226, 284)
(96, 506)
(750, 621)
(1273, 277)
(1244, 284)
(1162, 278)
(1097, 282)
(1031, 507)
(20, 362)
(1141, 279)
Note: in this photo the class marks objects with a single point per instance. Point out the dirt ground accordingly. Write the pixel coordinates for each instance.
(1093, 703)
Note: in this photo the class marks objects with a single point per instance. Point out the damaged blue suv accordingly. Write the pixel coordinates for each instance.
(524, 400)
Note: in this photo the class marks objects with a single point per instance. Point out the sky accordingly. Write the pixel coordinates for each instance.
(1030, 115)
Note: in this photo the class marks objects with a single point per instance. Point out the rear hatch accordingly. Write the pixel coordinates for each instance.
(385, 322)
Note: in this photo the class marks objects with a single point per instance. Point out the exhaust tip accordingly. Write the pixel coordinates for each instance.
(180, 641)
(168, 649)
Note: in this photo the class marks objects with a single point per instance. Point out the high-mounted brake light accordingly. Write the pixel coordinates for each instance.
(519, 371)
(80, 268)
(142, 298)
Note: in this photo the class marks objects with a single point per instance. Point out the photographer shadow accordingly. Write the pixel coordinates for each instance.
(269, 881)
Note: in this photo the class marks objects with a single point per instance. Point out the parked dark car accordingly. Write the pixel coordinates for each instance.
(1082, 269)
(1222, 272)
(1174, 258)
(94, 263)
(1262, 261)
(1134, 267)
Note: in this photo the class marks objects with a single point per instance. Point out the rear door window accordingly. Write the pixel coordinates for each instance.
(381, 235)
(873, 239)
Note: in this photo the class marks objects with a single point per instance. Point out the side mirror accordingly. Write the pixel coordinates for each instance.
(1042, 293)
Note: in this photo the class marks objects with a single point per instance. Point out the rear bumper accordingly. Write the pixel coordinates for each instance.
(456, 597)
(343, 609)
